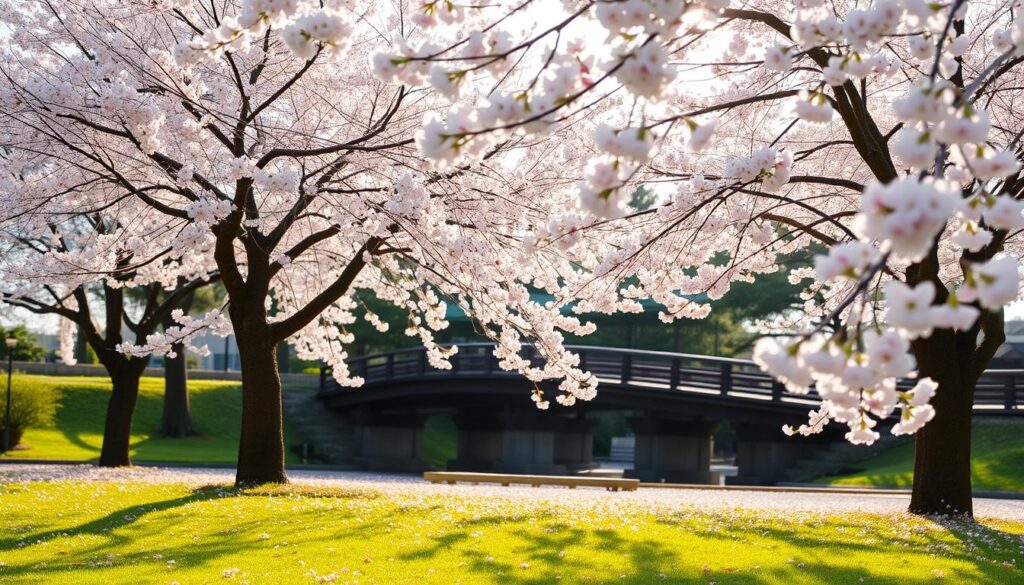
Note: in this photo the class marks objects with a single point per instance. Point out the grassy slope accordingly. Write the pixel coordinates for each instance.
(997, 447)
(77, 432)
(76, 532)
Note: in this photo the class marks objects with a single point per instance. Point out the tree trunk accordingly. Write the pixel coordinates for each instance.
(176, 420)
(120, 411)
(261, 448)
(82, 348)
(942, 463)
(282, 358)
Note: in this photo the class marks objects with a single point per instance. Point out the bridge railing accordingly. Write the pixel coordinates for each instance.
(997, 390)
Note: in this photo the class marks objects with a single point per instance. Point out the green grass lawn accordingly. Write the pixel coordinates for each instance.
(77, 432)
(122, 532)
(997, 460)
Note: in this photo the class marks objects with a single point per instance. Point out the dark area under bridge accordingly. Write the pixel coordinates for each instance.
(677, 399)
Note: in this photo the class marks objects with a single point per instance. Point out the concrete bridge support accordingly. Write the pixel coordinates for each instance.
(389, 441)
(672, 451)
(764, 453)
(479, 441)
(574, 444)
(523, 442)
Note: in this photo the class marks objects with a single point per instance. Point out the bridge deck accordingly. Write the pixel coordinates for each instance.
(997, 391)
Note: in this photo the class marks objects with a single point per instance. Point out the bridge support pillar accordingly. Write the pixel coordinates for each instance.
(764, 453)
(574, 444)
(389, 442)
(535, 443)
(479, 441)
(672, 451)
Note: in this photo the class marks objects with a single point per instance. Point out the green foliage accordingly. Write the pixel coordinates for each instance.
(33, 404)
(302, 366)
(83, 352)
(76, 432)
(643, 199)
(209, 297)
(724, 332)
(997, 460)
(367, 339)
(439, 440)
(28, 348)
(139, 532)
(608, 424)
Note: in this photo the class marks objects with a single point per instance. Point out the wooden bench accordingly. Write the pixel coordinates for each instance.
(570, 481)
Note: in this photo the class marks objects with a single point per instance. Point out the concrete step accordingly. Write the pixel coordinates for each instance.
(329, 433)
(623, 450)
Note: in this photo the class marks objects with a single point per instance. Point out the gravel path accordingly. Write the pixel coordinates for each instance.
(778, 502)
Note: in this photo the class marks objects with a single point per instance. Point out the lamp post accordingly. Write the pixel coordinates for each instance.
(11, 342)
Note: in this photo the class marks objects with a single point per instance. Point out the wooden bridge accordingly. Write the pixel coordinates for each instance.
(674, 403)
(997, 392)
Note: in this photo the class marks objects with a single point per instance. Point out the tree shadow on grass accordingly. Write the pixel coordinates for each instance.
(1003, 470)
(124, 517)
(117, 519)
(822, 557)
(228, 537)
(81, 412)
(979, 539)
(539, 548)
(74, 402)
(542, 557)
(989, 553)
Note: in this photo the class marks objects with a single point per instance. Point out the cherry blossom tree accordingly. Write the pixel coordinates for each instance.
(56, 260)
(248, 141)
(497, 146)
(889, 131)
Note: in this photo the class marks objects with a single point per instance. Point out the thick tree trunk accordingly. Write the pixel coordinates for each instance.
(261, 448)
(942, 464)
(176, 420)
(120, 411)
(282, 358)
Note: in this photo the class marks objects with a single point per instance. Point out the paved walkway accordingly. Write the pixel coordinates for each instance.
(653, 499)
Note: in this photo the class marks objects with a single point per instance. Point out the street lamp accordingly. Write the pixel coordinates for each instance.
(11, 342)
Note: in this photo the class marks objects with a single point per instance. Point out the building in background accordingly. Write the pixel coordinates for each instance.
(223, 353)
(1011, 354)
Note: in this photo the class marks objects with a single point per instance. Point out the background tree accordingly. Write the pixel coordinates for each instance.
(51, 271)
(176, 413)
(28, 348)
(82, 352)
(298, 175)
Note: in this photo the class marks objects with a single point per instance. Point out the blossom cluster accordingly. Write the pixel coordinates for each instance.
(858, 381)
(768, 165)
(186, 330)
(305, 28)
